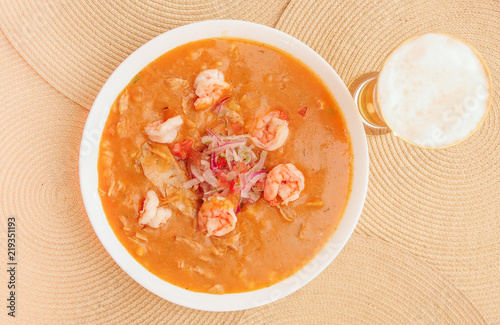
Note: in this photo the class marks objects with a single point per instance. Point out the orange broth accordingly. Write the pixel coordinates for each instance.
(265, 247)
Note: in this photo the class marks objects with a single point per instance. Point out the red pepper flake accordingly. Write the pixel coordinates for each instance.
(302, 111)
(283, 116)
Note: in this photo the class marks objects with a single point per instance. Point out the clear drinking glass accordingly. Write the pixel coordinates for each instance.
(433, 91)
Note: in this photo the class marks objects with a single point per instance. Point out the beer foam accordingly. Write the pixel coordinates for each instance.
(433, 90)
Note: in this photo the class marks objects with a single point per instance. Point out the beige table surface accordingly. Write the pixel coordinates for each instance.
(426, 249)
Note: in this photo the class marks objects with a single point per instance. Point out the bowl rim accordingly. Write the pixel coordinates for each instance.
(96, 120)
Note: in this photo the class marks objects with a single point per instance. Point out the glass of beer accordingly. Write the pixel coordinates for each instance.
(433, 91)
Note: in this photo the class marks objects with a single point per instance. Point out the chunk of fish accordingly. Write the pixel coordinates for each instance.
(174, 93)
(164, 172)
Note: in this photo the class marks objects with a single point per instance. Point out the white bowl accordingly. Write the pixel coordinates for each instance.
(92, 136)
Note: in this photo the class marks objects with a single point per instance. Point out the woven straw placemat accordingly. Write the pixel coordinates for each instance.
(442, 205)
(427, 246)
(64, 274)
(75, 45)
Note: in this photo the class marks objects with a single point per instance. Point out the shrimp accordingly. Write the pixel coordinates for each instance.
(152, 215)
(285, 181)
(210, 88)
(271, 131)
(165, 132)
(216, 216)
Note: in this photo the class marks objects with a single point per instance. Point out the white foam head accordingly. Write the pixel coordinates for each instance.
(433, 90)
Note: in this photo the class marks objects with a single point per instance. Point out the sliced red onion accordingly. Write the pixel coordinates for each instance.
(236, 137)
(235, 155)
(205, 187)
(243, 180)
(236, 150)
(231, 175)
(262, 160)
(247, 159)
(229, 155)
(210, 178)
(228, 160)
(219, 106)
(257, 173)
(258, 167)
(207, 139)
(210, 193)
(191, 183)
(197, 173)
(223, 147)
(213, 164)
(219, 140)
(238, 208)
(253, 156)
(252, 197)
(240, 151)
(245, 192)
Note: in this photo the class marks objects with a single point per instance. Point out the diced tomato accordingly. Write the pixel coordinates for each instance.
(231, 185)
(177, 151)
(234, 188)
(195, 156)
(302, 111)
(260, 185)
(182, 149)
(240, 167)
(223, 182)
(236, 126)
(221, 162)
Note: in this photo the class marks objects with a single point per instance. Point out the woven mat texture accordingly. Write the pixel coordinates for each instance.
(427, 247)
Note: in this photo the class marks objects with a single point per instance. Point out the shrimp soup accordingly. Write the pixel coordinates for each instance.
(224, 166)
